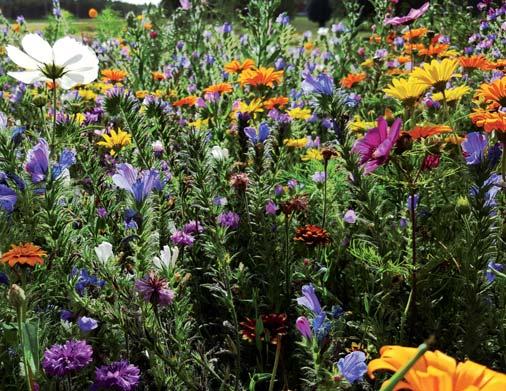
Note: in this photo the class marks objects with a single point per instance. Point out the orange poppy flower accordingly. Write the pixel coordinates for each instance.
(433, 50)
(235, 66)
(186, 101)
(353, 78)
(27, 253)
(436, 371)
(113, 75)
(158, 76)
(221, 88)
(474, 62)
(415, 33)
(494, 93)
(261, 77)
(419, 132)
(276, 102)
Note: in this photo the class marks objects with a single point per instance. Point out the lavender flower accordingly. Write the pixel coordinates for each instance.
(353, 366)
(87, 324)
(118, 376)
(155, 290)
(181, 238)
(350, 217)
(139, 184)
(229, 219)
(61, 360)
(193, 227)
(271, 208)
(319, 177)
(323, 84)
(473, 147)
(304, 327)
(309, 299)
(37, 161)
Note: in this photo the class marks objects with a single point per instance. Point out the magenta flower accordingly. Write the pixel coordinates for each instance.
(304, 327)
(374, 148)
(61, 360)
(413, 14)
(155, 290)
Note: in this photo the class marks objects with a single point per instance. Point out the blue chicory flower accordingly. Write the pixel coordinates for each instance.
(492, 268)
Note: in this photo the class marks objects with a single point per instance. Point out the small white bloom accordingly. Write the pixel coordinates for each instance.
(323, 31)
(104, 251)
(168, 257)
(219, 153)
(68, 62)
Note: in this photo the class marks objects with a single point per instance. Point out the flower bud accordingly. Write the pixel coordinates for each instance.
(16, 296)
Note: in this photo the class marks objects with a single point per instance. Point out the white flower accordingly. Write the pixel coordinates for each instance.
(168, 257)
(323, 31)
(104, 251)
(68, 62)
(219, 153)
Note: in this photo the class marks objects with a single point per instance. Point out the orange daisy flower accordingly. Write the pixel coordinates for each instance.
(474, 62)
(276, 102)
(408, 48)
(27, 253)
(353, 78)
(494, 93)
(433, 50)
(419, 132)
(499, 64)
(186, 101)
(415, 33)
(221, 88)
(158, 76)
(489, 121)
(235, 66)
(261, 77)
(113, 75)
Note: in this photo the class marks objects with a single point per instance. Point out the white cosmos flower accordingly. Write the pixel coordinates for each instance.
(68, 62)
(104, 251)
(168, 257)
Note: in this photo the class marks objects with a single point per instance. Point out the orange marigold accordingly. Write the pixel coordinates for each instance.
(353, 78)
(113, 75)
(276, 102)
(186, 101)
(312, 235)
(221, 88)
(235, 66)
(433, 50)
(474, 62)
(261, 77)
(419, 132)
(27, 253)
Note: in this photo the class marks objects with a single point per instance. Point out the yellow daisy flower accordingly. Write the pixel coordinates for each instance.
(359, 125)
(312, 154)
(452, 94)
(298, 113)
(115, 141)
(436, 74)
(200, 123)
(87, 94)
(295, 142)
(406, 90)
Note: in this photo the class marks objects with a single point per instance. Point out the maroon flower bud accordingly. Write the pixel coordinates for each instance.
(153, 34)
(430, 162)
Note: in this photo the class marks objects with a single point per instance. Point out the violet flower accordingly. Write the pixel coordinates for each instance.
(353, 366)
(155, 290)
(139, 184)
(309, 299)
(323, 84)
(61, 360)
(8, 198)
(37, 161)
(118, 376)
(413, 14)
(229, 219)
(304, 327)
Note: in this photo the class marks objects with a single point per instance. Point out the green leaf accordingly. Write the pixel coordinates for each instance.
(31, 345)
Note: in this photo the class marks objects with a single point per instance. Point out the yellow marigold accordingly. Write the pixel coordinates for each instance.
(24, 254)
(295, 142)
(299, 113)
(87, 94)
(406, 90)
(141, 94)
(367, 63)
(309, 45)
(452, 94)
(312, 154)
(435, 371)
(261, 77)
(436, 74)
(79, 118)
(255, 106)
(115, 141)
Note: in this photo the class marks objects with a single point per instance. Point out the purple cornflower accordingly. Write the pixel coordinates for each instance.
(309, 299)
(181, 238)
(220, 201)
(61, 360)
(353, 366)
(473, 147)
(491, 186)
(8, 198)
(67, 159)
(350, 216)
(193, 227)
(118, 376)
(414, 14)
(229, 219)
(37, 161)
(319, 177)
(304, 327)
(139, 184)
(260, 136)
(323, 84)
(155, 290)
(66, 315)
(374, 148)
(492, 268)
(87, 324)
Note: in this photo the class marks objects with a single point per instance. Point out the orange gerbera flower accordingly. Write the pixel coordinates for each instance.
(419, 132)
(261, 77)
(27, 253)
(474, 62)
(186, 101)
(235, 66)
(158, 76)
(489, 121)
(494, 93)
(436, 371)
(113, 75)
(415, 33)
(353, 78)
(221, 88)
(276, 102)
(433, 50)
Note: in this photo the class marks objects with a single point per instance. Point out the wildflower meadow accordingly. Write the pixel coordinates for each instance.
(194, 202)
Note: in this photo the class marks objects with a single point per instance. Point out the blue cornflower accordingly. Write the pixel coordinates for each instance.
(353, 366)
(321, 326)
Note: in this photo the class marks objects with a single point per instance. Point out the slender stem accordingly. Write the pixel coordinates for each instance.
(21, 320)
(276, 363)
(287, 258)
(325, 193)
(412, 296)
(400, 374)
(503, 161)
(51, 136)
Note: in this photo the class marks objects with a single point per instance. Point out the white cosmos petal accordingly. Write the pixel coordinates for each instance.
(27, 77)
(21, 59)
(65, 49)
(70, 80)
(38, 48)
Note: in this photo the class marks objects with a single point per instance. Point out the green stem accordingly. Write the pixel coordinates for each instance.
(50, 141)
(401, 373)
(276, 363)
(20, 310)
(325, 193)
(503, 162)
